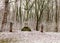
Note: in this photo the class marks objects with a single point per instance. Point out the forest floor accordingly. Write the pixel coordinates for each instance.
(29, 37)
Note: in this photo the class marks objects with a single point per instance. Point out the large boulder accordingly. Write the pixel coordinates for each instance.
(25, 29)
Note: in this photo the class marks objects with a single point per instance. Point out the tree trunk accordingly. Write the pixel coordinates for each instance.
(56, 19)
(41, 28)
(11, 24)
(4, 21)
(36, 12)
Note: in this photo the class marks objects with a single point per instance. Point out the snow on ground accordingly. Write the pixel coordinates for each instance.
(30, 37)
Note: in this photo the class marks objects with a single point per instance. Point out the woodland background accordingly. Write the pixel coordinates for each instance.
(38, 15)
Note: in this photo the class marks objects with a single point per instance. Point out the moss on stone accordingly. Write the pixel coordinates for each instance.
(7, 40)
(4, 41)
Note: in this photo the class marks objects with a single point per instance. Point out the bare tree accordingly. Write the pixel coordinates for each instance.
(37, 10)
(4, 21)
(20, 12)
(56, 17)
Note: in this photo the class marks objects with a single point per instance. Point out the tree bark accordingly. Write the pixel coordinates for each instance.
(56, 19)
(4, 21)
(11, 24)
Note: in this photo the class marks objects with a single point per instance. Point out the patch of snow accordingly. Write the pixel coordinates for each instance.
(32, 37)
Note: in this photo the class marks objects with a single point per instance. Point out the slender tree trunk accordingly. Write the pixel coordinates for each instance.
(37, 24)
(4, 21)
(42, 28)
(56, 19)
(36, 12)
(48, 11)
(27, 10)
(11, 24)
(20, 12)
(41, 14)
(16, 6)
